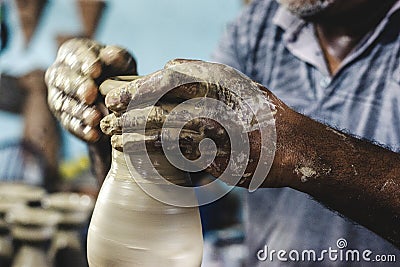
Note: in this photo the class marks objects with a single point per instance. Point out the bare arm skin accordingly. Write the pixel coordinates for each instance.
(354, 177)
(40, 127)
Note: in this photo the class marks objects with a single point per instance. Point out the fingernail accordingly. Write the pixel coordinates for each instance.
(91, 116)
(87, 91)
(118, 99)
(111, 124)
(116, 142)
(91, 135)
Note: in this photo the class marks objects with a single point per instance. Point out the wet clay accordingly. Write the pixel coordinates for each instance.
(130, 228)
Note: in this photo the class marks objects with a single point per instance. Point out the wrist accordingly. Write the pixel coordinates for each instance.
(288, 124)
(290, 138)
(290, 130)
(33, 83)
(100, 157)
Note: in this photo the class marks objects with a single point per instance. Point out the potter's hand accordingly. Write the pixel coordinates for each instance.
(73, 79)
(217, 117)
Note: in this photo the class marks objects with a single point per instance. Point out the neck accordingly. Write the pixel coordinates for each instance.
(339, 33)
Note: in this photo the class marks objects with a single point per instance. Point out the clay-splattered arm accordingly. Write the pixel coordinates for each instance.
(354, 177)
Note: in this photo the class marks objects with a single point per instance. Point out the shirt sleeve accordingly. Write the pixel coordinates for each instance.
(241, 37)
(235, 45)
(226, 51)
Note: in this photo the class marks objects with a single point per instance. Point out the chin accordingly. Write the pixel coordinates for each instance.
(306, 8)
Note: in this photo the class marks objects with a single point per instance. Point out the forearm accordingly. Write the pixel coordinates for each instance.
(354, 177)
(40, 128)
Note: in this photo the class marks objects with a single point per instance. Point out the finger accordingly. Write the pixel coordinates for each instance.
(81, 55)
(147, 90)
(178, 61)
(117, 60)
(71, 83)
(152, 142)
(80, 119)
(136, 120)
(115, 82)
(136, 144)
(152, 121)
(164, 115)
(75, 126)
(154, 118)
(111, 125)
(109, 85)
(132, 141)
(118, 98)
(61, 103)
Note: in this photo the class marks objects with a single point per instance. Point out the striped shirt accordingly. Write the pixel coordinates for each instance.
(281, 51)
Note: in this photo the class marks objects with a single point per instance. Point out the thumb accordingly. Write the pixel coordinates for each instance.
(117, 61)
(178, 61)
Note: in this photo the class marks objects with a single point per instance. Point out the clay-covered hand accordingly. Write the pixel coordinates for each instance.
(72, 81)
(189, 102)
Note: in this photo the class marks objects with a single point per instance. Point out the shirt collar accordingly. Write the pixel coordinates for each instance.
(285, 19)
(299, 38)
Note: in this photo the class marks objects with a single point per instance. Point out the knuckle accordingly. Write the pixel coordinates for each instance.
(118, 58)
(82, 55)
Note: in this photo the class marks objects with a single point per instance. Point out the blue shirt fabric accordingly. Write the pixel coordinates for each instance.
(280, 51)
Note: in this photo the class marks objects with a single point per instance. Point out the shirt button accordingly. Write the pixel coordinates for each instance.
(324, 83)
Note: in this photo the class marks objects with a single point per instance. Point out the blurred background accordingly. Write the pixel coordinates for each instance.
(34, 150)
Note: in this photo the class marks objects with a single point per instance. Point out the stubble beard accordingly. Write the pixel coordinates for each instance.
(306, 8)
